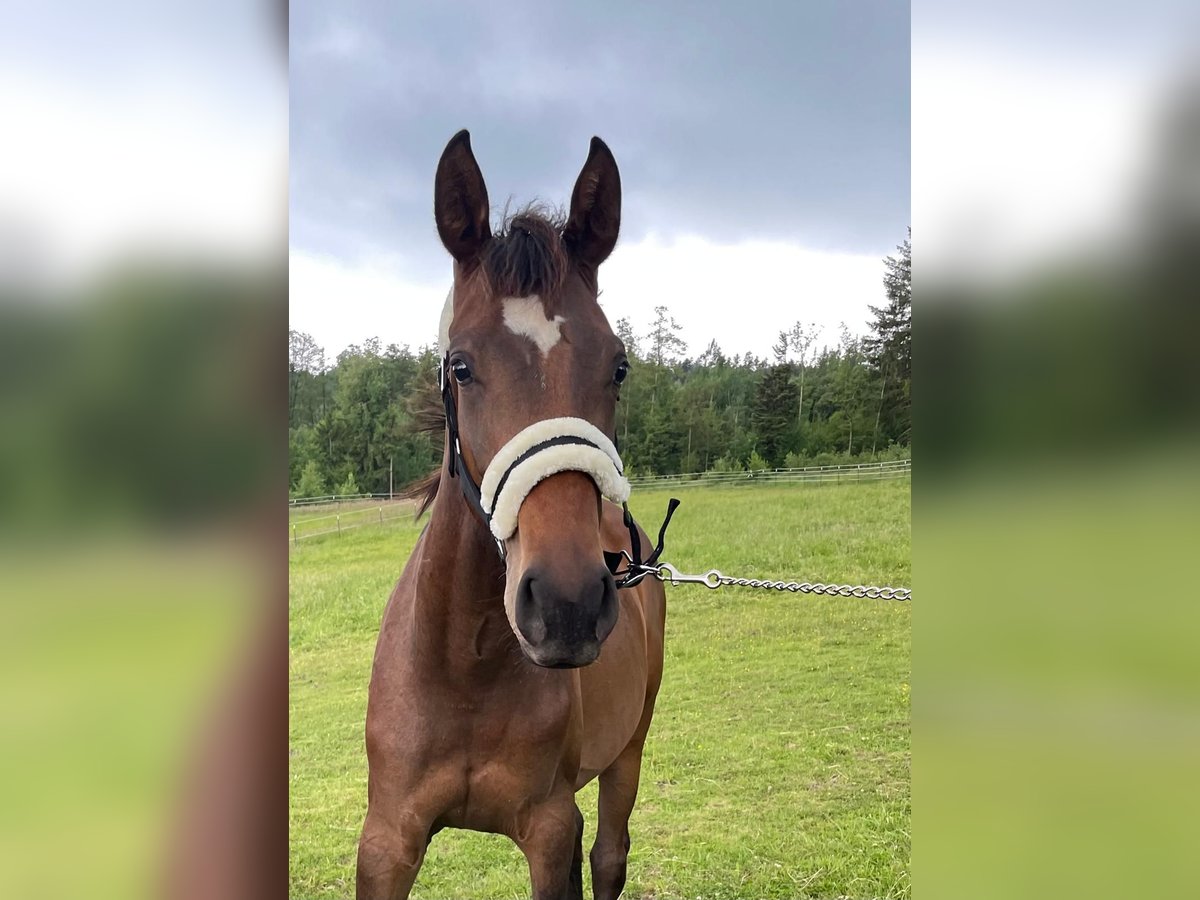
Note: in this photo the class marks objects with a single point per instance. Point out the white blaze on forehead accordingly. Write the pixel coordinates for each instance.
(444, 324)
(526, 316)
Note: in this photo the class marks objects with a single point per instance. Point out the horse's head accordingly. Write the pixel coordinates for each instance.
(533, 372)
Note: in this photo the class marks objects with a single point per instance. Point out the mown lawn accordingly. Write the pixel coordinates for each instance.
(778, 762)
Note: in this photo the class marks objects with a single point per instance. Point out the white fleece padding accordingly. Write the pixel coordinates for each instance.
(601, 462)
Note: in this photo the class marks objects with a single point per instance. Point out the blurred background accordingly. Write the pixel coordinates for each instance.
(1056, 223)
(143, 228)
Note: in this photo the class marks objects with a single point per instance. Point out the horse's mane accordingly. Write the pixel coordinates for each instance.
(525, 256)
(429, 417)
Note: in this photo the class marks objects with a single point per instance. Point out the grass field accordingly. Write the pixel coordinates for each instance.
(778, 762)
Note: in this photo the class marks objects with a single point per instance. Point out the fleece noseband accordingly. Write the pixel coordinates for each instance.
(545, 448)
(539, 451)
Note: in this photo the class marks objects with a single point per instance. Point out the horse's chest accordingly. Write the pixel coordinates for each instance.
(502, 758)
(493, 795)
(496, 780)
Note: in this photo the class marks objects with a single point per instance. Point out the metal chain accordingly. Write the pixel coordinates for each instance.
(713, 579)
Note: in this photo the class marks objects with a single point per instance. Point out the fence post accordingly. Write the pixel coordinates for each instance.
(381, 515)
(339, 523)
(295, 543)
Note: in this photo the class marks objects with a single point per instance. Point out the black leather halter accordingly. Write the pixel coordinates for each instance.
(636, 568)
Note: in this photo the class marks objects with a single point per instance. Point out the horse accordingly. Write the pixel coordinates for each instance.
(511, 669)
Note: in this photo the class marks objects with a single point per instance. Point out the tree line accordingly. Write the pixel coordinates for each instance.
(353, 428)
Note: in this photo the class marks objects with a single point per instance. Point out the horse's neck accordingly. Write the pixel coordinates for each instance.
(460, 589)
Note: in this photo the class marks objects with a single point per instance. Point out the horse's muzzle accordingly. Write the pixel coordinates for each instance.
(564, 619)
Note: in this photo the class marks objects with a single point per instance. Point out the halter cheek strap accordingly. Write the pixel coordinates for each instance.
(535, 453)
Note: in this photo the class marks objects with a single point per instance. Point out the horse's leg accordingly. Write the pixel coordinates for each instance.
(390, 853)
(548, 838)
(618, 791)
(575, 886)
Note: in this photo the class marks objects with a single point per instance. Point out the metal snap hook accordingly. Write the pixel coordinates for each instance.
(710, 579)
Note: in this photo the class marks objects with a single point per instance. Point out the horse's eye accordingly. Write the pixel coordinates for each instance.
(621, 373)
(461, 373)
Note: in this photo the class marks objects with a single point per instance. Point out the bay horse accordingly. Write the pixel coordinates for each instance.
(490, 701)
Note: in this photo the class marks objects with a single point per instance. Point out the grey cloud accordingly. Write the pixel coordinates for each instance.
(772, 120)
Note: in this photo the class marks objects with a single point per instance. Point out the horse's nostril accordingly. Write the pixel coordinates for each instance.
(609, 607)
(529, 618)
(573, 614)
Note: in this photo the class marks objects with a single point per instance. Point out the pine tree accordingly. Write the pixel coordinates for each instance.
(712, 357)
(771, 412)
(665, 343)
(625, 332)
(889, 350)
(780, 348)
(312, 484)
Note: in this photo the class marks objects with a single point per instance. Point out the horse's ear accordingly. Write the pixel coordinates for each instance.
(460, 201)
(595, 217)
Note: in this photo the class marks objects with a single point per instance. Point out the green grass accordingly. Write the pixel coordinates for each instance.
(778, 762)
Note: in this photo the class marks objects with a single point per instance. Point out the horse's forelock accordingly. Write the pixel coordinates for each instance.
(527, 255)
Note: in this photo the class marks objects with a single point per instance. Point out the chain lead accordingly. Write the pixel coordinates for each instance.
(713, 579)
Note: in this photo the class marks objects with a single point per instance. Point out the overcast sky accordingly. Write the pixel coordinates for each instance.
(764, 154)
(765, 157)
